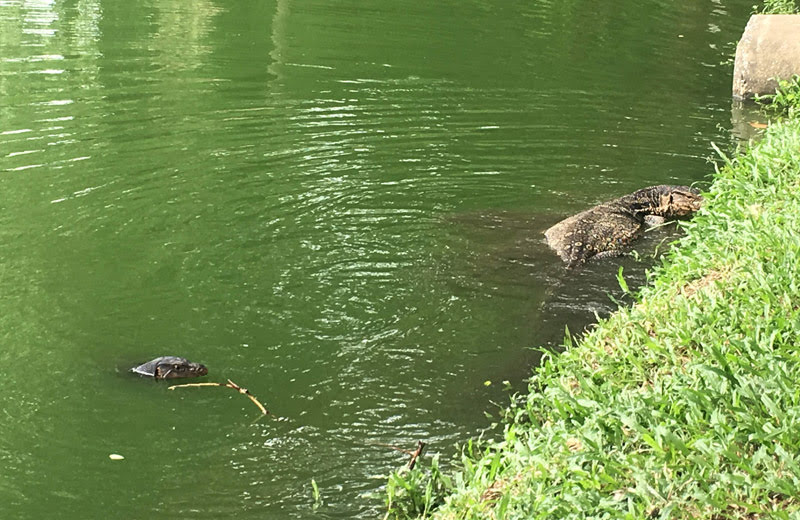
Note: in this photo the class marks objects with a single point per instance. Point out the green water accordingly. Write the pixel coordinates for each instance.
(338, 205)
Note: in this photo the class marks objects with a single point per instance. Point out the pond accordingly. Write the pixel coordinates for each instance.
(338, 205)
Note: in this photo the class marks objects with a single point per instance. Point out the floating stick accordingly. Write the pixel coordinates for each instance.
(173, 387)
(414, 454)
(229, 384)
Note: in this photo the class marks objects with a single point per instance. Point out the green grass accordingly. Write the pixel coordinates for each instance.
(785, 102)
(685, 405)
(777, 7)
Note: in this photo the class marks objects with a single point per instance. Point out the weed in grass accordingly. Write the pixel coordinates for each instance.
(785, 100)
(316, 495)
(777, 7)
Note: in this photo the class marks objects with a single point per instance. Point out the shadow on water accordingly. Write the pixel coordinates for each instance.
(510, 255)
(748, 122)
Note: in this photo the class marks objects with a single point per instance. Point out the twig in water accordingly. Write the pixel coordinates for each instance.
(396, 448)
(229, 384)
(173, 387)
(416, 454)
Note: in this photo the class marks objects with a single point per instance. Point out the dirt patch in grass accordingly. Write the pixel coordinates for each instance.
(695, 286)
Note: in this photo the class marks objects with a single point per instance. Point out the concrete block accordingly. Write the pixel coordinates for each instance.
(769, 49)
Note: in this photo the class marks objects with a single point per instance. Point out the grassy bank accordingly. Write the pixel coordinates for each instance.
(686, 405)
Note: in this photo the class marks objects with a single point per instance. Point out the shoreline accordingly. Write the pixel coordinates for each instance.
(684, 405)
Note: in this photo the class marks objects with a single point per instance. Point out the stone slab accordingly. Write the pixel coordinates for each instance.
(769, 49)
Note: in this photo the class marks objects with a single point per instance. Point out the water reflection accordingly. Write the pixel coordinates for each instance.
(180, 38)
(39, 17)
(747, 122)
(85, 27)
(280, 22)
(36, 44)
